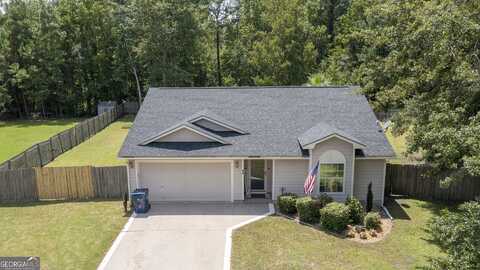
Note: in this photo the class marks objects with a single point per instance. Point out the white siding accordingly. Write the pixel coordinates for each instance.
(290, 175)
(237, 180)
(346, 149)
(132, 177)
(367, 171)
(184, 135)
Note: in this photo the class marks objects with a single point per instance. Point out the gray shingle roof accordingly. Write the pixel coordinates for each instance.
(323, 131)
(274, 117)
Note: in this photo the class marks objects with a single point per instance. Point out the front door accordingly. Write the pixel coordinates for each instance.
(257, 176)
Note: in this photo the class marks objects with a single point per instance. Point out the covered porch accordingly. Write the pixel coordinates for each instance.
(257, 178)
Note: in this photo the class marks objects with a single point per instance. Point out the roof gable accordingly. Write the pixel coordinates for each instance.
(322, 132)
(184, 132)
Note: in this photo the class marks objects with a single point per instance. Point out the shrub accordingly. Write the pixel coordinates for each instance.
(335, 216)
(307, 210)
(355, 209)
(457, 234)
(372, 220)
(323, 200)
(369, 198)
(287, 203)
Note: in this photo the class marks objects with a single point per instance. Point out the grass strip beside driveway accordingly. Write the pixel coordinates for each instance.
(65, 235)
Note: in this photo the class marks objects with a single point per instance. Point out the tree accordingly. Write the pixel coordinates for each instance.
(221, 13)
(421, 57)
(457, 234)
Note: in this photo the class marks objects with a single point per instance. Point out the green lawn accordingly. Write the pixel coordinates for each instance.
(65, 235)
(100, 150)
(399, 145)
(279, 243)
(17, 136)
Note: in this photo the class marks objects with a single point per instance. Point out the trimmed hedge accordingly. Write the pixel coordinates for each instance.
(307, 210)
(356, 210)
(287, 203)
(372, 220)
(323, 200)
(335, 216)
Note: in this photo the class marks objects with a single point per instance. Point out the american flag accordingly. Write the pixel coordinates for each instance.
(310, 181)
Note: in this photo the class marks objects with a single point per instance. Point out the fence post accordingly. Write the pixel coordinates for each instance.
(25, 164)
(39, 154)
(70, 134)
(51, 148)
(60, 142)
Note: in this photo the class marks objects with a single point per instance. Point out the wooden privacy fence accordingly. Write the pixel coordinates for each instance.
(416, 181)
(45, 152)
(63, 183)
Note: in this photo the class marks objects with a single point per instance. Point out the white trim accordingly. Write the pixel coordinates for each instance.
(116, 243)
(163, 134)
(136, 173)
(128, 179)
(335, 135)
(353, 172)
(184, 161)
(225, 125)
(273, 181)
(384, 175)
(212, 158)
(242, 170)
(232, 175)
(228, 240)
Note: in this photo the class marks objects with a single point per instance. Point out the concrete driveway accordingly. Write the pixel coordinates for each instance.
(179, 236)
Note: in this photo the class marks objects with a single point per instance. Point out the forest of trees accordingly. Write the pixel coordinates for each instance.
(60, 57)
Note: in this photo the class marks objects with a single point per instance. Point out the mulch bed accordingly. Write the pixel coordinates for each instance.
(354, 233)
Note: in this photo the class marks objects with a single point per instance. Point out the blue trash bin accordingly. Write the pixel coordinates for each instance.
(141, 204)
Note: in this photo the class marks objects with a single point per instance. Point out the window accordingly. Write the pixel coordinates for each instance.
(331, 177)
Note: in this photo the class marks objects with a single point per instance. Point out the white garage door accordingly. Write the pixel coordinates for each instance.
(186, 181)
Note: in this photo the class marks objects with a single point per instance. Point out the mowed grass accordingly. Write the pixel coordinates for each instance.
(399, 145)
(279, 243)
(100, 150)
(17, 136)
(65, 235)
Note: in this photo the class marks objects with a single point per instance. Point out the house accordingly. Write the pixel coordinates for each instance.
(229, 144)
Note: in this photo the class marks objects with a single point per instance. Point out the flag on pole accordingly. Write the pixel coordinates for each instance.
(310, 181)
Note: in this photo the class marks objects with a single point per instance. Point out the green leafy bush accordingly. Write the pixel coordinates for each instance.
(335, 216)
(372, 220)
(457, 234)
(287, 203)
(307, 210)
(322, 200)
(355, 208)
